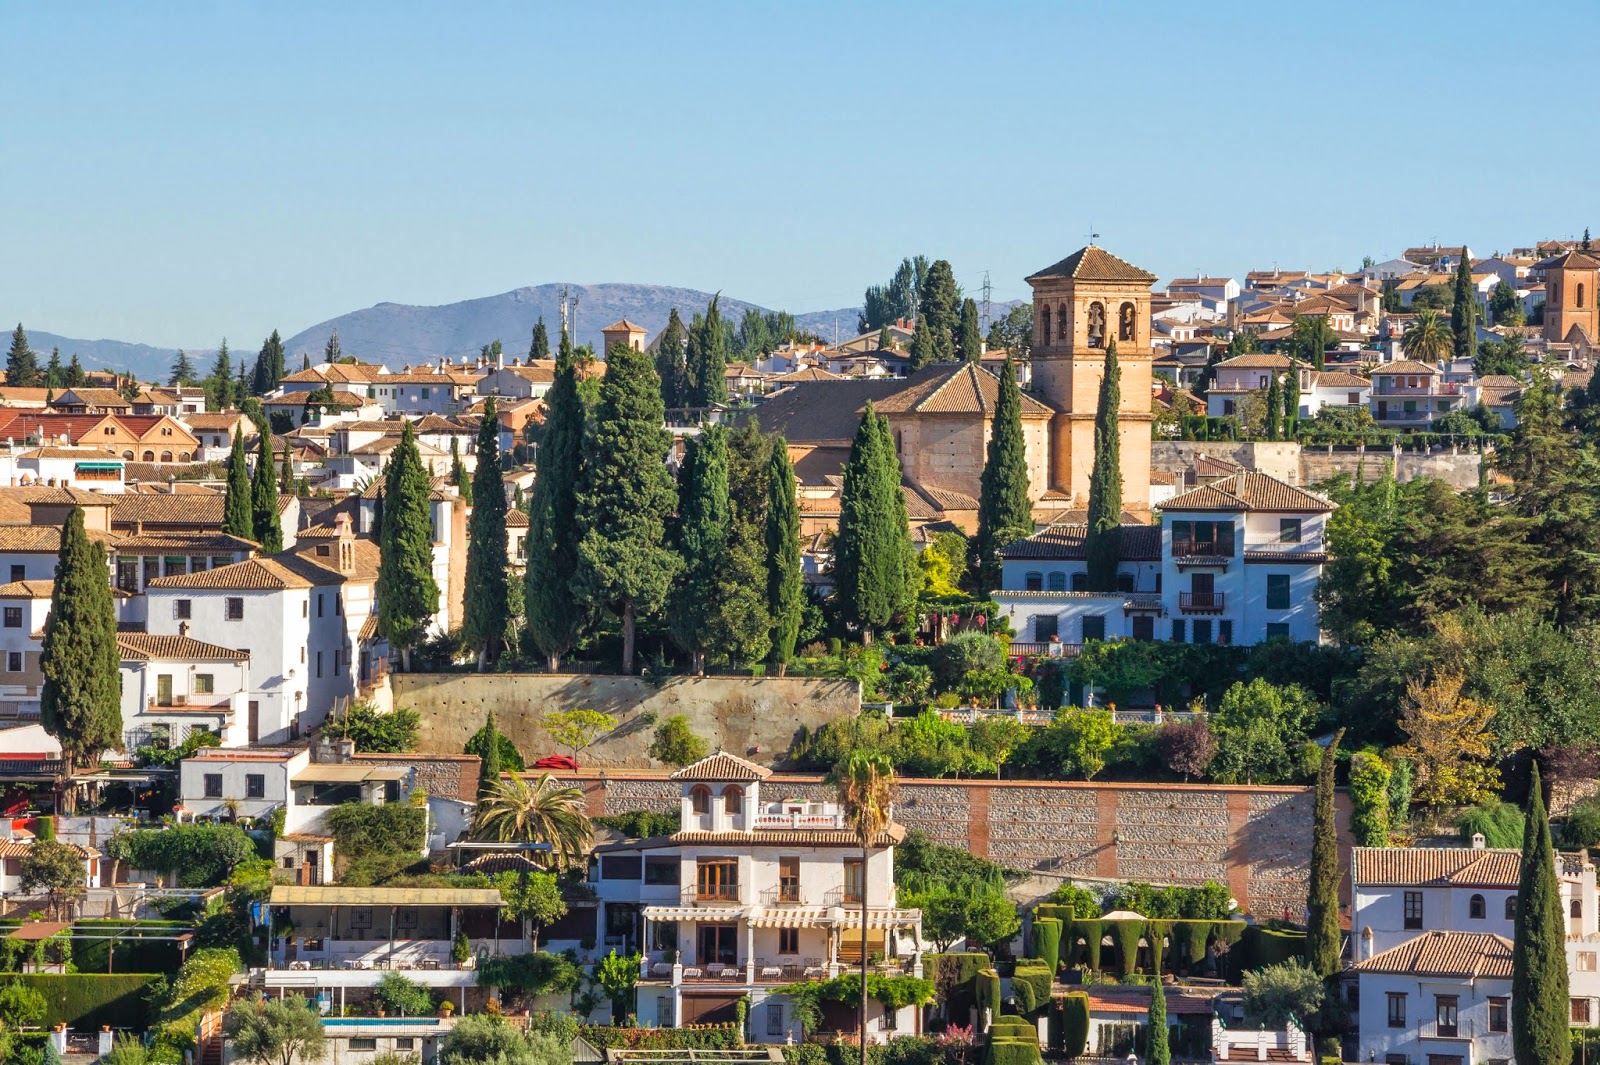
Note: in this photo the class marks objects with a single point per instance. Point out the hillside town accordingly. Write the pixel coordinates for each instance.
(1197, 672)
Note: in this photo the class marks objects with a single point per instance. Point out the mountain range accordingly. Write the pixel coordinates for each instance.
(399, 334)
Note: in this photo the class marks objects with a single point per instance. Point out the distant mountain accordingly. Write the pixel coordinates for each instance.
(397, 333)
(142, 360)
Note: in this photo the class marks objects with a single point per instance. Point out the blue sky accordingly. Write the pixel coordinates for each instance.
(178, 171)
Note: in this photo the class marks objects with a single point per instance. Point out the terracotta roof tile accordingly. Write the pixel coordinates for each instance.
(28, 590)
(1257, 360)
(1138, 543)
(722, 766)
(1094, 263)
(41, 539)
(954, 388)
(1464, 954)
(195, 509)
(252, 575)
(1430, 866)
(516, 519)
(200, 540)
(1248, 490)
(1340, 379)
(1405, 366)
(1570, 260)
(144, 647)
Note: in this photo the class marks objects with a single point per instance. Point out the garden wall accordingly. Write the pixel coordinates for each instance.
(1309, 464)
(755, 716)
(1257, 840)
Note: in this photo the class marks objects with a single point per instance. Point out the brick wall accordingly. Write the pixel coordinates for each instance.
(449, 776)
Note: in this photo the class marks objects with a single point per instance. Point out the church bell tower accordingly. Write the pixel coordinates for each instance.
(1080, 305)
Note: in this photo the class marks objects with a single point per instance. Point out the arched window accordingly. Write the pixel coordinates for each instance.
(732, 799)
(1125, 322)
(1033, 581)
(183, 456)
(149, 456)
(1580, 295)
(1511, 907)
(1058, 581)
(1577, 907)
(1061, 321)
(166, 456)
(127, 456)
(1097, 324)
(1555, 292)
(1477, 909)
(700, 799)
(1044, 326)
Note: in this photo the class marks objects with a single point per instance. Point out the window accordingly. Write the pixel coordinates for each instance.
(788, 941)
(1094, 627)
(1202, 538)
(213, 785)
(890, 1016)
(775, 1010)
(1080, 582)
(1058, 581)
(426, 393)
(855, 880)
(319, 663)
(363, 1042)
(1580, 1011)
(661, 871)
(1225, 632)
(1476, 909)
(1586, 961)
(1444, 1014)
(1046, 627)
(235, 608)
(1202, 631)
(1576, 908)
(1277, 630)
(405, 1042)
(788, 879)
(717, 878)
(717, 943)
(1044, 325)
(1413, 909)
(204, 684)
(1144, 628)
(1033, 582)
(338, 604)
(1397, 1009)
(13, 617)
(1178, 630)
(319, 604)
(1097, 324)
(1277, 591)
(732, 799)
(621, 867)
(1499, 1015)
(183, 609)
(1125, 322)
(700, 799)
(1124, 582)
(1580, 294)
(18, 573)
(255, 786)
(13, 661)
(1511, 907)
(1288, 530)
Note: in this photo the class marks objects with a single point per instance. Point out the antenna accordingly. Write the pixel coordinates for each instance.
(575, 298)
(983, 312)
(564, 327)
(1092, 235)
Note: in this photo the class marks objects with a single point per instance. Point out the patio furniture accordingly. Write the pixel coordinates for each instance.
(690, 972)
(715, 970)
(661, 968)
(771, 972)
(816, 972)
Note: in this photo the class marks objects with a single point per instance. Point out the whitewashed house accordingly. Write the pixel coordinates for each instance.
(1440, 997)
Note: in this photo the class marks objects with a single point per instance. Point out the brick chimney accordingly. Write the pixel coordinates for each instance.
(346, 543)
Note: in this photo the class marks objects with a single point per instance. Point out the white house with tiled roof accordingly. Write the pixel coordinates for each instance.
(173, 685)
(24, 606)
(1440, 997)
(755, 891)
(1407, 394)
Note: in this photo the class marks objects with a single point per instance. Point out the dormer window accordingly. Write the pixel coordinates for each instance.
(700, 799)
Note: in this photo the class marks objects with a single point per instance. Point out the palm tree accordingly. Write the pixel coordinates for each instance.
(546, 812)
(866, 792)
(1429, 339)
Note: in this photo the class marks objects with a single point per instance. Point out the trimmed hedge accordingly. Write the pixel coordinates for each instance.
(1012, 1052)
(1055, 910)
(710, 1037)
(85, 1001)
(1047, 933)
(1075, 1023)
(1126, 934)
(1268, 946)
(1012, 1027)
(988, 983)
(1030, 982)
(905, 1050)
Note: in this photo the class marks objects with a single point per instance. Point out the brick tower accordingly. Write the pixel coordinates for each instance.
(1570, 298)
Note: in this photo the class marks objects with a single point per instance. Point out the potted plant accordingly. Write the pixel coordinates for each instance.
(446, 1008)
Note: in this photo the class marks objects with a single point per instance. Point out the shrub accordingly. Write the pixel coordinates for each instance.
(711, 1037)
(89, 1000)
(201, 855)
(1582, 829)
(1047, 941)
(1369, 799)
(510, 758)
(21, 1006)
(1075, 1023)
(1013, 1052)
(964, 653)
(1266, 946)
(1031, 984)
(1500, 822)
(403, 996)
(989, 992)
(201, 985)
(1274, 994)
(362, 830)
(376, 732)
(642, 824)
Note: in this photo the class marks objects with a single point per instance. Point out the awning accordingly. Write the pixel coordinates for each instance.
(879, 918)
(39, 930)
(338, 895)
(691, 913)
(345, 773)
(792, 918)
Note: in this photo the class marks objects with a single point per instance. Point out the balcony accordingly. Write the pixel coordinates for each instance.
(1200, 602)
(727, 896)
(1202, 549)
(793, 818)
(782, 895)
(842, 897)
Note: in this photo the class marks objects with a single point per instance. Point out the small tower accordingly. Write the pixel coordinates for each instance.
(1570, 280)
(1081, 304)
(628, 334)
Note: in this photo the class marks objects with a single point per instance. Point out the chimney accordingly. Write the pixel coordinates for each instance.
(500, 361)
(344, 750)
(346, 543)
(183, 628)
(1478, 842)
(172, 484)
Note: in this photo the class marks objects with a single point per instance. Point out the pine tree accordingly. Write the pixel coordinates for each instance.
(54, 375)
(1539, 994)
(408, 596)
(875, 572)
(785, 588)
(1005, 509)
(488, 608)
(331, 351)
(1274, 407)
(939, 303)
(1104, 541)
(239, 504)
(22, 366)
(75, 376)
(489, 772)
(539, 347)
(267, 527)
(1322, 893)
(220, 384)
(80, 701)
(269, 365)
(1157, 1048)
(1464, 310)
(924, 350)
(182, 370)
(969, 338)
(626, 497)
(671, 366)
(554, 616)
(707, 358)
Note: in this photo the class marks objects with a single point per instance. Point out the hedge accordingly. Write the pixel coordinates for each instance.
(988, 983)
(1091, 932)
(1055, 910)
(85, 1001)
(1012, 1027)
(905, 1050)
(1075, 1023)
(1030, 982)
(1268, 946)
(1012, 1052)
(1047, 941)
(1156, 932)
(709, 1037)
(1126, 936)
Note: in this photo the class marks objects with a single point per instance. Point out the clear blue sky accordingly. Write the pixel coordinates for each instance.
(178, 171)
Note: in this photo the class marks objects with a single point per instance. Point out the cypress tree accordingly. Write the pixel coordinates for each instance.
(1539, 994)
(458, 471)
(969, 338)
(220, 383)
(286, 475)
(1157, 1048)
(785, 590)
(1291, 402)
(239, 504)
(923, 348)
(22, 366)
(1005, 511)
(745, 630)
(75, 375)
(54, 375)
(80, 701)
(1322, 893)
(939, 302)
(539, 347)
(182, 369)
(1104, 540)
(707, 358)
(671, 366)
(1464, 310)
(1274, 407)
(266, 526)
(626, 497)
(873, 560)
(489, 772)
(553, 613)
(269, 365)
(408, 596)
(702, 542)
(488, 608)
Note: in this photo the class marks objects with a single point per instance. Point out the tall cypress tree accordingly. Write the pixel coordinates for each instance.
(220, 383)
(969, 337)
(458, 471)
(1291, 401)
(408, 596)
(924, 349)
(1464, 311)
(54, 375)
(1322, 893)
(671, 364)
(269, 365)
(626, 497)
(1539, 994)
(554, 616)
(707, 358)
(1104, 542)
(702, 542)
(785, 590)
(266, 527)
(1274, 404)
(286, 475)
(873, 560)
(939, 303)
(1005, 511)
(22, 366)
(239, 504)
(489, 772)
(539, 346)
(1157, 1046)
(80, 701)
(488, 608)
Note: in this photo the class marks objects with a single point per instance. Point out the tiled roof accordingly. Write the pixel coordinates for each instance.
(516, 519)
(1248, 490)
(1137, 543)
(947, 499)
(252, 575)
(200, 540)
(51, 495)
(823, 412)
(299, 399)
(1571, 260)
(40, 539)
(28, 590)
(623, 323)
(1340, 379)
(1405, 366)
(94, 397)
(1434, 866)
(198, 509)
(1257, 360)
(16, 848)
(954, 388)
(1463, 954)
(807, 373)
(722, 766)
(218, 421)
(145, 647)
(813, 837)
(1094, 263)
